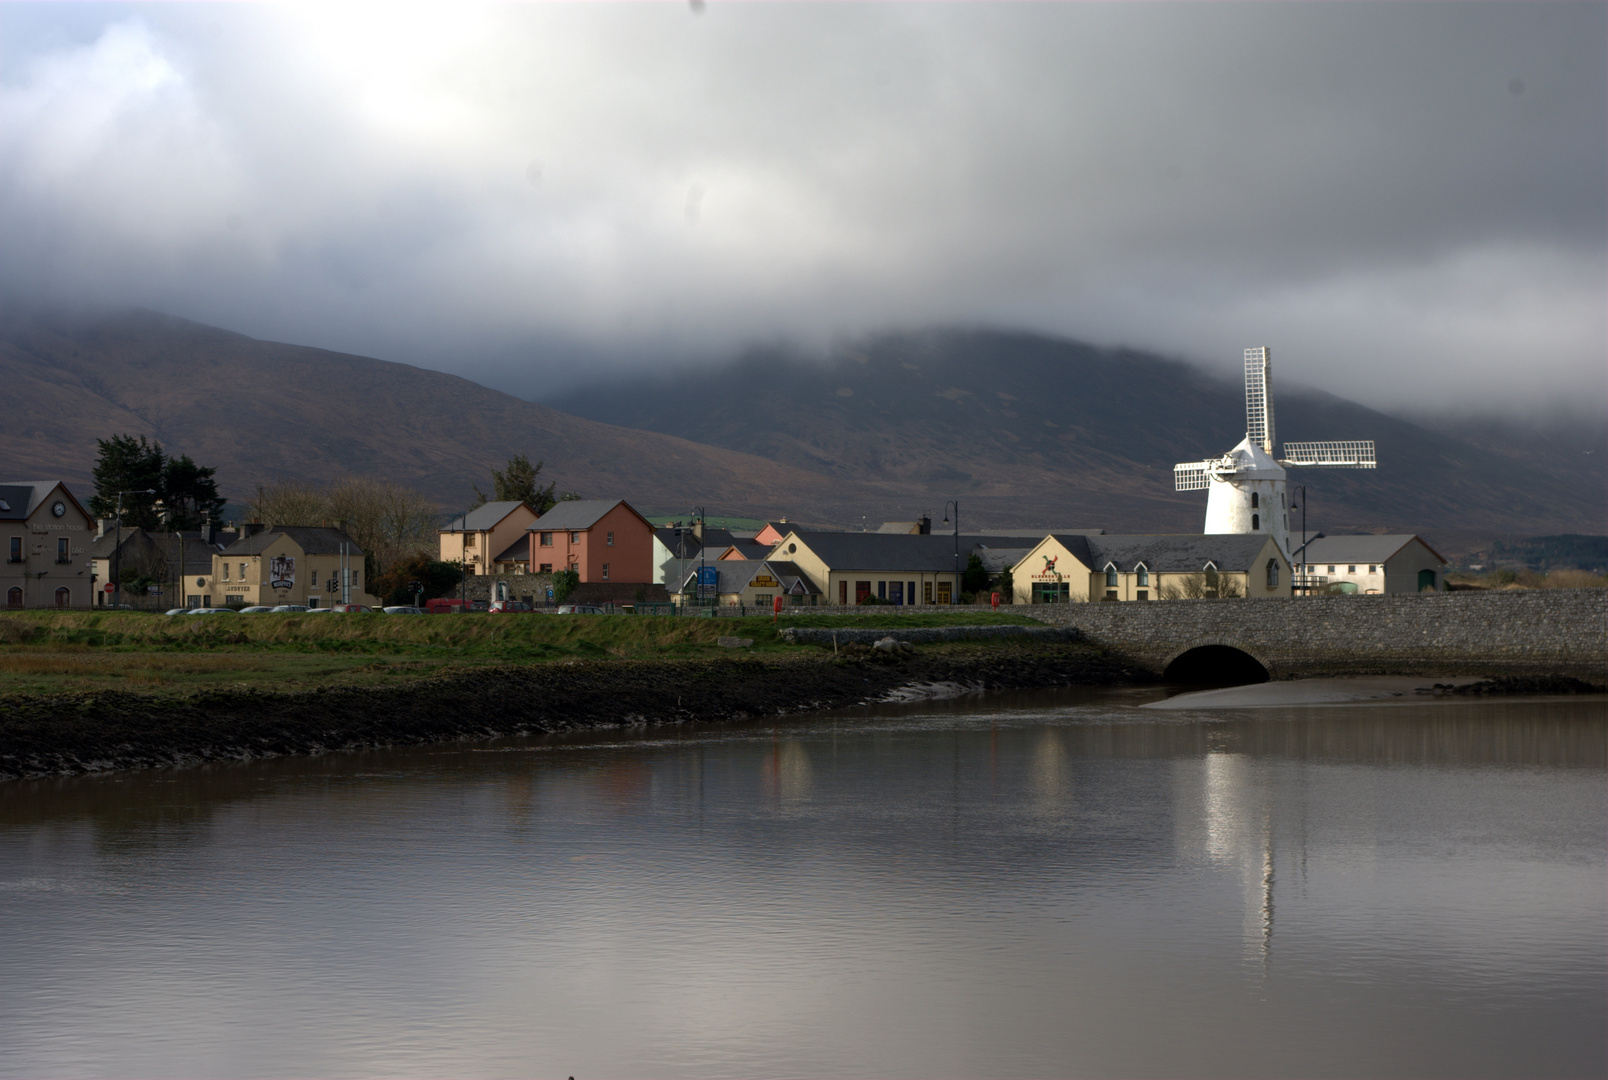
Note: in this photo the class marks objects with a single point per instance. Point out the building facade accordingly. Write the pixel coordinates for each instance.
(600, 540)
(1372, 565)
(479, 538)
(1077, 568)
(45, 533)
(291, 564)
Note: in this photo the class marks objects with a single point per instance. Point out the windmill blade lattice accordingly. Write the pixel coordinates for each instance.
(1357, 454)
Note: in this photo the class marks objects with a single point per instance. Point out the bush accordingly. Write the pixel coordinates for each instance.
(435, 578)
(564, 582)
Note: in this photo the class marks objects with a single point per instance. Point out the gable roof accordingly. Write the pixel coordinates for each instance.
(483, 518)
(682, 539)
(312, 539)
(578, 514)
(1179, 553)
(794, 581)
(894, 552)
(1366, 548)
(518, 551)
(22, 497)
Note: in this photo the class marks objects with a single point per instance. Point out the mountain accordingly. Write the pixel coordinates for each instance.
(1025, 429)
(261, 412)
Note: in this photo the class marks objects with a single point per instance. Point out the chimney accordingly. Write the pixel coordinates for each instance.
(924, 525)
(104, 526)
(251, 528)
(697, 530)
(340, 525)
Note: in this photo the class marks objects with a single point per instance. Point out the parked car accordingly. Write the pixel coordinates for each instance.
(505, 607)
(289, 607)
(479, 605)
(212, 611)
(185, 610)
(352, 609)
(579, 609)
(445, 605)
(404, 609)
(254, 609)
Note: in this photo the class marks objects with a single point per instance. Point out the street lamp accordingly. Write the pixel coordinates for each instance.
(956, 504)
(698, 512)
(117, 548)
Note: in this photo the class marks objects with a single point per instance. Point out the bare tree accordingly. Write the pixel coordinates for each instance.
(389, 521)
(289, 504)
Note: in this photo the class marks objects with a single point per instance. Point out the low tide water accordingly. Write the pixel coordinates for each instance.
(1048, 884)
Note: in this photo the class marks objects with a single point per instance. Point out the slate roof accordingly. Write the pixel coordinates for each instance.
(577, 514)
(518, 551)
(998, 560)
(1167, 553)
(136, 543)
(896, 553)
(719, 539)
(748, 549)
(1360, 549)
(793, 580)
(312, 539)
(482, 518)
(22, 497)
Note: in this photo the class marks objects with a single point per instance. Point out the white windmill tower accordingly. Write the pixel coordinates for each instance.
(1245, 486)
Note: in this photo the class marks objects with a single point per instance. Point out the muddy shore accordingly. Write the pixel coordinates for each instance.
(65, 734)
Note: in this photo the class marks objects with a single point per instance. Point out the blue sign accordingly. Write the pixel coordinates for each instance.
(708, 577)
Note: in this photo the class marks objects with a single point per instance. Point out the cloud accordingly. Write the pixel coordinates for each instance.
(1402, 199)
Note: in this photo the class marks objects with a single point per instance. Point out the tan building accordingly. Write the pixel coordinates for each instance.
(156, 556)
(482, 538)
(892, 568)
(754, 583)
(1398, 563)
(291, 564)
(45, 534)
(1069, 568)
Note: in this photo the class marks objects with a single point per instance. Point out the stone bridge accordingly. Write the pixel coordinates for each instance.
(1529, 632)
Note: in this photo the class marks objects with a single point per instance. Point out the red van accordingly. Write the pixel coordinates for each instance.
(445, 606)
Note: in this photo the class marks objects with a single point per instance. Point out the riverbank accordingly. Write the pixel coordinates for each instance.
(64, 733)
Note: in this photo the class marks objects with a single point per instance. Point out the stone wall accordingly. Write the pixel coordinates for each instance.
(821, 635)
(1538, 631)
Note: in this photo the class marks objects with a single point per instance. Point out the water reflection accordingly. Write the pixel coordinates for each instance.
(1063, 885)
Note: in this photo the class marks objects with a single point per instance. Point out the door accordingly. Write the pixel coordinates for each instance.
(1426, 581)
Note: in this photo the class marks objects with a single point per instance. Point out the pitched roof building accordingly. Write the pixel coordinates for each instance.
(45, 533)
(479, 538)
(1069, 567)
(1391, 563)
(600, 539)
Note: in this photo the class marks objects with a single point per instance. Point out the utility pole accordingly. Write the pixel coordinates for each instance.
(956, 504)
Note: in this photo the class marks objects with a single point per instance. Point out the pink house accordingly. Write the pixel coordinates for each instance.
(600, 540)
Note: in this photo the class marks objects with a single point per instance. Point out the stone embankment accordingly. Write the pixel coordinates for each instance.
(57, 735)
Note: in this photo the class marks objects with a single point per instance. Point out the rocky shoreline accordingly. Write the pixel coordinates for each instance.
(67, 734)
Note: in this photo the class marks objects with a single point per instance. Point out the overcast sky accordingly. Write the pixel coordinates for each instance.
(1407, 201)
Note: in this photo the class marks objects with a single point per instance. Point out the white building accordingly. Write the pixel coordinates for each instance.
(1390, 564)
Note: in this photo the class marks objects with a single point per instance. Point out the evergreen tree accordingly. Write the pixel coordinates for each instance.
(517, 483)
(190, 494)
(131, 465)
(974, 579)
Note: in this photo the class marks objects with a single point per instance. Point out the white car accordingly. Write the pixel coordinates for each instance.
(289, 607)
(180, 611)
(212, 611)
(255, 609)
(404, 610)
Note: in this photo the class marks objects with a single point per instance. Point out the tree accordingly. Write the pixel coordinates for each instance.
(389, 521)
(288, 504)
(975, 577)
(516, 482)
(564, 582)
(128, 464)
(189, 493)
(436, 578)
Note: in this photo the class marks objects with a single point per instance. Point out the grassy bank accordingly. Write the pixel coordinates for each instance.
(55, 652)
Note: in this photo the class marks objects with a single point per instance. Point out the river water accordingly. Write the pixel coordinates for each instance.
(1020, 885)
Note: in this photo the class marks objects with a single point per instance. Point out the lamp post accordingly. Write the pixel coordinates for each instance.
(698, 512)
(117, 548)
(956, 504)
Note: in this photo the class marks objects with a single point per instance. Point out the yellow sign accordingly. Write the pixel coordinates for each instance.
(764, 581)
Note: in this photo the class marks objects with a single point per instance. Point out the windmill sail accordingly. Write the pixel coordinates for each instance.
(1192, 476)
(1335, 455)
(1259, 396)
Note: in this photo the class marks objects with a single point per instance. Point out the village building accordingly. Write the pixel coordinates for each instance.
(601, 540)
(1065, 568)
(891, 568)
(480, 538)
(755, 583)
(45, 533)
(176, 566)
(678, 547)
(290, 564)
(1386, 565)
(771, 532)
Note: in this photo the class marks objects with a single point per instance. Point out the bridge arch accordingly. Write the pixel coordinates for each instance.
(1218, 662)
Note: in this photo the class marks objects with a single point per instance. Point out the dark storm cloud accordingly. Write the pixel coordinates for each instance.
(1405, 200)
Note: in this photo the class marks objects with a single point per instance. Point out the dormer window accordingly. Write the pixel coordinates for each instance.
(1111, 576)
(1142, 575)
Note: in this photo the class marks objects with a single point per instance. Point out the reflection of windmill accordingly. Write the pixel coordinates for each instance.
(1246, 485)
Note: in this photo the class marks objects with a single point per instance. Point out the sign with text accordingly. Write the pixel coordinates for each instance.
(282, 572)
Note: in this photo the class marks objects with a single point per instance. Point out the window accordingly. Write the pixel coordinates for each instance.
(547, 539)
(63, 598)
(1351, 569)
(1111, 594)
(910, 592)
(1143, 594)
(1373, 568)
(605, 571)
(1143, 575)
(1283, 504)
(243, 572)
(882, 590)
(1272, 573)
(1256, 501)
(926, 592)
(1256, 522)
(13, 597)
(764, 599)
(1331, 569)
(225, 571)
(1111, 576)
(575, 537)
(16, 549)
(610, 540)
(843, 592)
(546, 568)
(469, 540)
(63, 555)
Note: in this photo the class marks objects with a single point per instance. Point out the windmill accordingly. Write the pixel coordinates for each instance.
(1245, 486)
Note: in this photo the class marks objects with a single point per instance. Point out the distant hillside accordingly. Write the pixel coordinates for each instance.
(261, 412)
(1026, 429)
